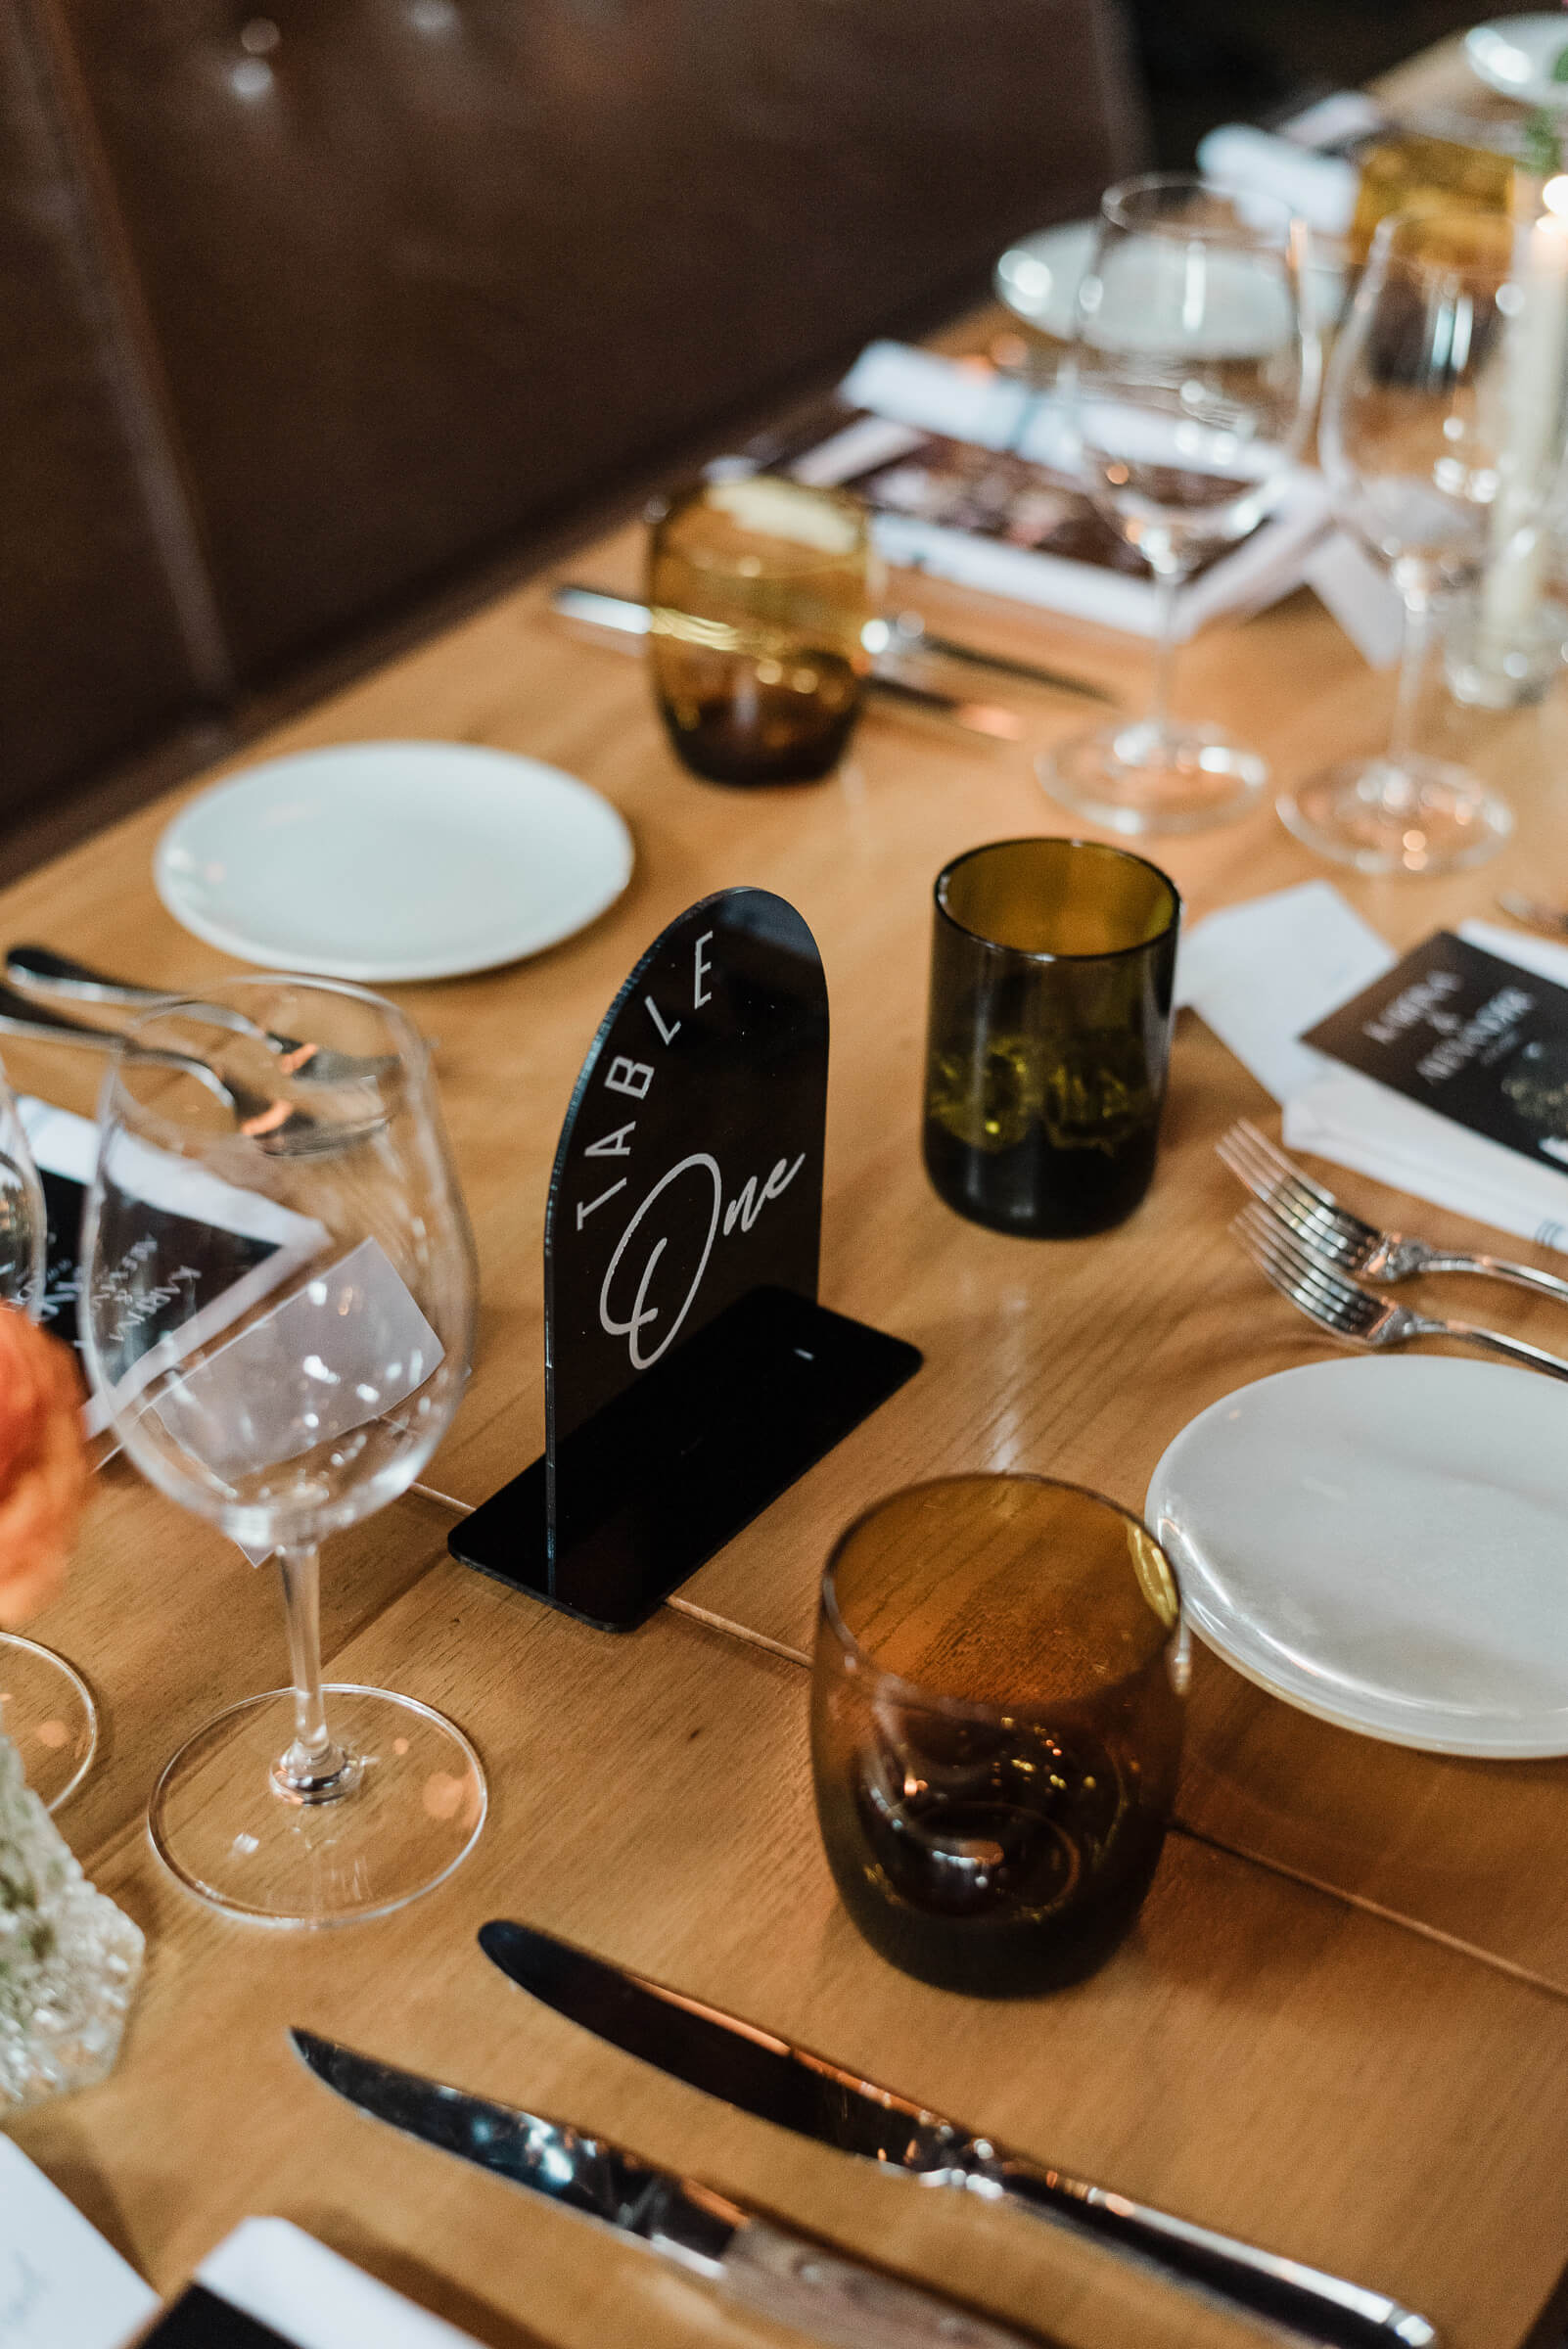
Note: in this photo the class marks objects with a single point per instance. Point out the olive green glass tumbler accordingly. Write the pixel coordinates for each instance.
(998, 1700)
(758, 594)
(1052, 981)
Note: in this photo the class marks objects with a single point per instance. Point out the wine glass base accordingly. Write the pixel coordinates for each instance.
(1140, 777)
(48, 1713)
(1423, 817)
(413, 1814)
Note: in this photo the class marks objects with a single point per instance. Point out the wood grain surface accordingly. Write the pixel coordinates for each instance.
(1342, 2026)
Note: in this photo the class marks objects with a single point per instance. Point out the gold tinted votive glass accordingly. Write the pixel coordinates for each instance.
(758, 594)
(997, 1715)
(1052, 977)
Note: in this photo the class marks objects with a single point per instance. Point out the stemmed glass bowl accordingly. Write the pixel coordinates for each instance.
(46, 1708)
(277, 1314)
(1190, 384)
(1439, 420)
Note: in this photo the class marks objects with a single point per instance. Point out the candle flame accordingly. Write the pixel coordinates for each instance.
(1554, 195)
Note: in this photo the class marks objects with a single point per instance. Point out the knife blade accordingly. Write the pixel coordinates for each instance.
(623, 617)
(765, 2075)
(907, 632)
(745, 2258)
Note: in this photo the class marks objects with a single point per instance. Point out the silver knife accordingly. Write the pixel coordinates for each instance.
(743, 2258)
(765, 2075)
(906, 633)
(624, 618)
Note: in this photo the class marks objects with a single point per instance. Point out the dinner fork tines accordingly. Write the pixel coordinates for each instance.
(1331, 1232)
(1349, 1313)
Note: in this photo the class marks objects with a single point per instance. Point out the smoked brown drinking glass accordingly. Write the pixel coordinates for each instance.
(758, 594)
(1052, 971)
(997, 1715)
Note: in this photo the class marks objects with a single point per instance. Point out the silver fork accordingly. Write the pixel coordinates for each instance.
(275, 1123)
(53, 978)
(1346, 1311)
(1338, 1238)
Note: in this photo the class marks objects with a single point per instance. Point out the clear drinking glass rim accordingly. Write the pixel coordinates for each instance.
(1388, 226)
(1114, 201)
(413, 1051)
(1042, 955)
(912, 1694)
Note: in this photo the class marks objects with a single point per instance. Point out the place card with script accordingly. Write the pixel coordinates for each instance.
(234, 1246)
(1480, 1040)
(690, 1373)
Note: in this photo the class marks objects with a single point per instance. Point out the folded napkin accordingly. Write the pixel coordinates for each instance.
(1260, 973)
(300, 2294)
(922, 392)
(61, 2286)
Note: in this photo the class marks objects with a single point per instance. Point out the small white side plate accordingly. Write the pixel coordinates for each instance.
(1382, 1542)
(1516, 54)
(385, 861)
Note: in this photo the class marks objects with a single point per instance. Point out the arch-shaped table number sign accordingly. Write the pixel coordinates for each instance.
(690, 1373)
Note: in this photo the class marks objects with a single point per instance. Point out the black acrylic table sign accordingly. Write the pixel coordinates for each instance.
(690, 1373)
(1480, 1040)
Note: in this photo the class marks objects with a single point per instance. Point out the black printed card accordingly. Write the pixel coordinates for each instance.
(1476, 1038)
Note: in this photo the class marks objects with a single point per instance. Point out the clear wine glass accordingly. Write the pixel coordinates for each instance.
(277, 1314)
(1436, 421)
(1190, 384)
(46, 1707)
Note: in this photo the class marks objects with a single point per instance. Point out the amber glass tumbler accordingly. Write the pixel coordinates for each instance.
(1052, 971)
(758, 594)
(996, 1717)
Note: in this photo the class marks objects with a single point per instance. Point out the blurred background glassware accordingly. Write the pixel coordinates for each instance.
(331, 1238)
(46, 1708)
(760, 590)
(1190, 382)
(1052, 970)
(997, 1716)
(1435, 420)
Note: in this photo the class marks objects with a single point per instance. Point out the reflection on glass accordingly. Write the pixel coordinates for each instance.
(996, 1727)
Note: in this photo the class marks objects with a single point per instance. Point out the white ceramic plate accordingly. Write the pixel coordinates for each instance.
(385, 861)
(1384, 1543)
(1516, 54)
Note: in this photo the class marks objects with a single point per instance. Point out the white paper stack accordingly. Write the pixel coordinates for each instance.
(1258, 974)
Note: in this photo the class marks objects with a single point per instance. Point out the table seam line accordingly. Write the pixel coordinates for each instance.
(744, 1637)
(1370, 1908)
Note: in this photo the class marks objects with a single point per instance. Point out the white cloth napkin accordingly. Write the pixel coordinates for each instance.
(61, 2286)
(1258, 974)
(285, 2279)
(922, 392)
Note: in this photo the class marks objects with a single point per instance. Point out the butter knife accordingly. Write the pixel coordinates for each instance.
(623, 617)
(743, 2258)
(762, 2074)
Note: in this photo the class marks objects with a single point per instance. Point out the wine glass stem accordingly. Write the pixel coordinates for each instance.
(1166, 583)
(312, 1768)
(1413, 671)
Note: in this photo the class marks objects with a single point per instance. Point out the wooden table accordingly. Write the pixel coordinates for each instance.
(1342, 2025)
